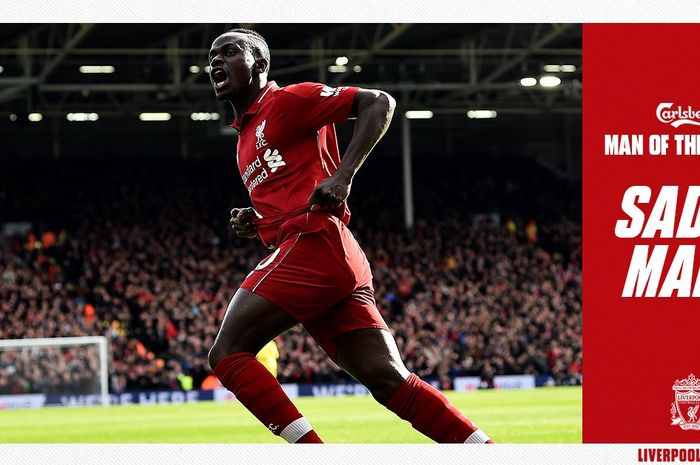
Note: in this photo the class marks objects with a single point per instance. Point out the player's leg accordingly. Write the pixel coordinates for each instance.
(250, 322)
(372, 358)
(299, 280)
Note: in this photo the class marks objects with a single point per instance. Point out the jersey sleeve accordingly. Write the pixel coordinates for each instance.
(311, 105)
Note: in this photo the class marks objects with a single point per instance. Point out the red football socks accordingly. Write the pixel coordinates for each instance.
(429, 412)
(259, 392)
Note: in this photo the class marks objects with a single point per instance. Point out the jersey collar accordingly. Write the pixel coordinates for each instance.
(257, 103)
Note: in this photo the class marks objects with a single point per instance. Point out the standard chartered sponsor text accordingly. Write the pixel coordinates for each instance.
(249, 170)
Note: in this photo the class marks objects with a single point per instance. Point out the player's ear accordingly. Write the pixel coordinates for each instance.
(261, 66)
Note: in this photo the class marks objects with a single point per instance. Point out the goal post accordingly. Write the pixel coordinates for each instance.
(100, 342)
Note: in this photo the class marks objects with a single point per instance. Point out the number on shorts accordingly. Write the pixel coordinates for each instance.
(268, 260)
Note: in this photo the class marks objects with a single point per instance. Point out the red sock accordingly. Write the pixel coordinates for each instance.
(259, 392)
(429, 411)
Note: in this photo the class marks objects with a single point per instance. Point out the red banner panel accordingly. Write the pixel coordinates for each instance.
(641, 177)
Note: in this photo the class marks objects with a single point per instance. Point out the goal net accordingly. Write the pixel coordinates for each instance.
(60, 368)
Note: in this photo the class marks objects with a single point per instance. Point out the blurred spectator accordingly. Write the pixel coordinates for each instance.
(145, 256)
(531, 231)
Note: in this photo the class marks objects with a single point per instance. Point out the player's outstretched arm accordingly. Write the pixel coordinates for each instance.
(373, 109)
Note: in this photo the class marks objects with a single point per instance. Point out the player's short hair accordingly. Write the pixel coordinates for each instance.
(255, 43)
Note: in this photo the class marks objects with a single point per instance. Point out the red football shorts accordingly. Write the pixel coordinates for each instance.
(321, 277)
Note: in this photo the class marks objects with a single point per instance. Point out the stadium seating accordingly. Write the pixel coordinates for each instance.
(488, 281)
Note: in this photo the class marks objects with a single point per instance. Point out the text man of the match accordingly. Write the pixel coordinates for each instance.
(316, 274)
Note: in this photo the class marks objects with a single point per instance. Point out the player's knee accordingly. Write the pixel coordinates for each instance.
(223, 348)
(381, 376)
(218, 352)
(382, 380)
(214, 356)
(383, 389)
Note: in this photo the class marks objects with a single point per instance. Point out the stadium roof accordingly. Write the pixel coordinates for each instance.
(446, 68)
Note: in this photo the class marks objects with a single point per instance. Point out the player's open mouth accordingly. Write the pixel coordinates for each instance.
(219, 77)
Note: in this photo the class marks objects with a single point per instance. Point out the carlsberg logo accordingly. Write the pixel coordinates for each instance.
(678, 115)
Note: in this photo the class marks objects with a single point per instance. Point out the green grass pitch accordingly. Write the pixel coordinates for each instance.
(519, 416)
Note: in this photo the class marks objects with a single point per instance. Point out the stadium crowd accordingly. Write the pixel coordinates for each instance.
(146, 257)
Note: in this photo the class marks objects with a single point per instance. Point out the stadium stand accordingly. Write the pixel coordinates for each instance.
(488, 281)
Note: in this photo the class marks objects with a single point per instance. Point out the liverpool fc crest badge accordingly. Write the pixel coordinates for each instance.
(684, 411)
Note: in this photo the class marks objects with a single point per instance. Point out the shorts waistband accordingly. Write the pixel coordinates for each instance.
(268, 227)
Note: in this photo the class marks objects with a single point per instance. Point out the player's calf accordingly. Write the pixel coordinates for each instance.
(259, 392)
(431, 413)
(250, 322)
(371, 357)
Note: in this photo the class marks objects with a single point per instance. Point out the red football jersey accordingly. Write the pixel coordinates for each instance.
(286, 146)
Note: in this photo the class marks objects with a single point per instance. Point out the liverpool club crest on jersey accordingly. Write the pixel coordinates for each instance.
(260, 135)
(684, 411)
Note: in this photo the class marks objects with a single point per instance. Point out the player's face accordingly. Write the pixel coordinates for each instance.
(232, 65)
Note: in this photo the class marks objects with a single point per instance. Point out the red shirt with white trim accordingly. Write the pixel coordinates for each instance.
(286, 145)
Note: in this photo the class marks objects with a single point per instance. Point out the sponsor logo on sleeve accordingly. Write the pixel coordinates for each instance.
(332, 92)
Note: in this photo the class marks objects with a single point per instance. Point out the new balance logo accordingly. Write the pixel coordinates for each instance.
(273, 159)
(261, 142)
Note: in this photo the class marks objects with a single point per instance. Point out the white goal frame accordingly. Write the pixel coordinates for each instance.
(100, 341)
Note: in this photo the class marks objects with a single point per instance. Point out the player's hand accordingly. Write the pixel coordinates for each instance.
(242, 222)
(329, 193)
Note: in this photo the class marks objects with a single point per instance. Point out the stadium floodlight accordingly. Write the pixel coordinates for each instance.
(357, 68)
(96, 69)
(419, 114)
(204, 116)
(528, 82)
(337, 68)
(207, 69)
(559, 68)
(194, 69)
(2, 69)
(35, 117)
(482, 114)
(81, 117)
(155, 116)
(32, 348)
(549, 81)
(13, 117)
(341, 61)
